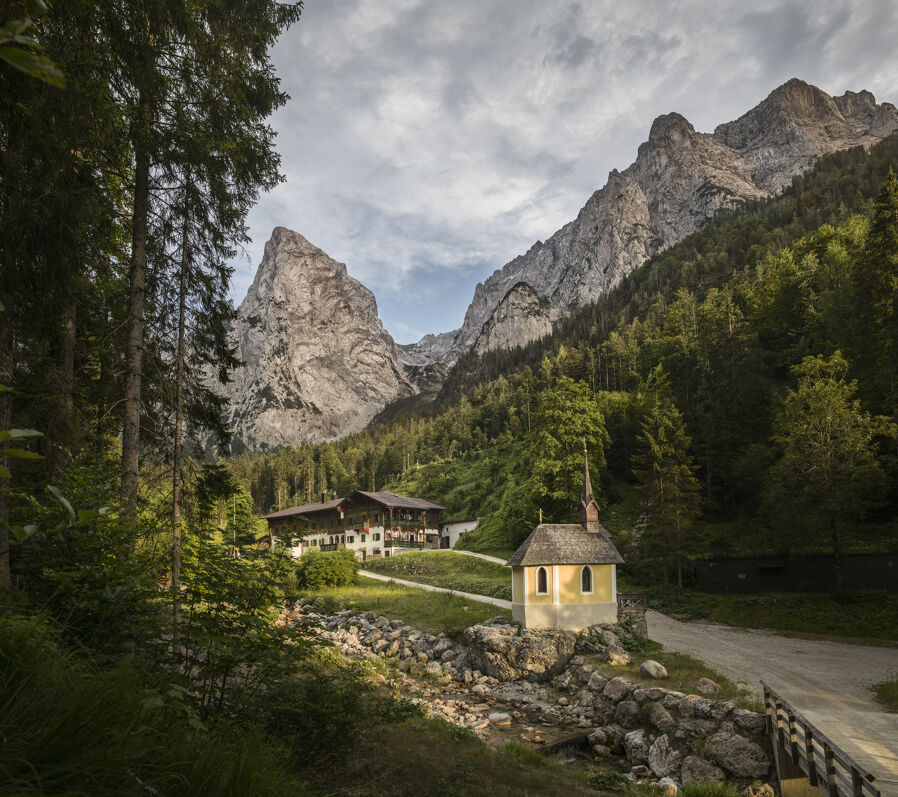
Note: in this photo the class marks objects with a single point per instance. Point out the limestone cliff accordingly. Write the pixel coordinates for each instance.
(318, 362)
(680, 178)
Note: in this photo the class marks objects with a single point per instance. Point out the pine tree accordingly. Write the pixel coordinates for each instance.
(666, 473)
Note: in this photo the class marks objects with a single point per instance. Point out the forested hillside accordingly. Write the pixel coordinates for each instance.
(737, 392)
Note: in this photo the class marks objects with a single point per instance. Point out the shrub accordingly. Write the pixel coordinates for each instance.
(317, 569)
(609, 781)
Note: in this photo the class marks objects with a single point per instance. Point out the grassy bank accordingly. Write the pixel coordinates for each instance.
(433, 612)
(887, 693)
(450, 570)
(868, 617)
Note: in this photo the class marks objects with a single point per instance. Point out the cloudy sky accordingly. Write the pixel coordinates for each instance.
(428, 142)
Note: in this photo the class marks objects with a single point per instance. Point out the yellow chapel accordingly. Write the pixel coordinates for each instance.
(564, 576)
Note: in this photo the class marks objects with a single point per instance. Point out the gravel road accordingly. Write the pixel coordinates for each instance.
(825, 681)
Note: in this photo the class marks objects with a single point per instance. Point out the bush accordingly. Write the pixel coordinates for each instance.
(609, 781)
(317, 569)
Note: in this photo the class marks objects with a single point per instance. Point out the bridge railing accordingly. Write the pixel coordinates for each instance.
(827, 766)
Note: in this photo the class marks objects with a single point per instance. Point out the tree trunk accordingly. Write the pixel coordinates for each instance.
(176, 457)
(5, 423)
(136, 302)
(837, 556)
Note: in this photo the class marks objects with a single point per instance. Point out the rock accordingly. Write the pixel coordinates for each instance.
(652, 669)
(506, 653)
(640, 771)
(667, 786)
(500, 718)
(737, 755)
(617, 689)
(721, 710)
(635, 746)
(671, 699)
(702, 708)
(749, 721)
(598, 736)
(628, 714)
(662, 758)
(758, 789)
(697, 770)
(652, 694)
(660, 717)
(392, 648)
(601, 750)
(616, 656)
(705, 686)
(596, 682)
(433, 668)
(686, 705)
(480, 689)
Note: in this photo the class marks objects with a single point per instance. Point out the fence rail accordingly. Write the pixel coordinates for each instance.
(827, 766)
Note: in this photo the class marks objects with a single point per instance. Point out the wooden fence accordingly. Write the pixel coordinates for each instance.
(826, 766)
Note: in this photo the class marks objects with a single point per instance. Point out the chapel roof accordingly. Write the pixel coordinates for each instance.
(566, 544)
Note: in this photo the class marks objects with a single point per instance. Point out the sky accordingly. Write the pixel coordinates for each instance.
(428, 142)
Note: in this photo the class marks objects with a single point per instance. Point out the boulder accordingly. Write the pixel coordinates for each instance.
(667, 786)
(499, 718)
(628, 714)
(617, 689)
(652, 669)
(720, 711)
(739, 756)
(597, 736)
(663, 759)
(596, 682)
(705, 686)
(660, 717)
(758, 789)
(749, 721)
(651, 694)
(697, 770)
(616, 656)
(507, 653)
(601, 750)
(635, 746)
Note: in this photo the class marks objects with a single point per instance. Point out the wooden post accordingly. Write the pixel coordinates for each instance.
(793, 739)
(780, 733)
(856, 783)
(830, 761)
(810, 755)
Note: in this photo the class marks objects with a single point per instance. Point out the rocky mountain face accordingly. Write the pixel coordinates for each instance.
(318, 362)
(679, 180)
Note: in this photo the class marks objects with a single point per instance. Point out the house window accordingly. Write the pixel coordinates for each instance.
(542, 582)
(586, 580)
(364, 536)
(350, 539)
(376, 537)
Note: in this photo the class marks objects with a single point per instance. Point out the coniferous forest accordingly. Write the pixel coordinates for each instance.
(738, 394)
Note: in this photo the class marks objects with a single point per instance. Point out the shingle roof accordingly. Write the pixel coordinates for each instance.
(304, 509)
(382, 497)
(399, 501)
(566, 544)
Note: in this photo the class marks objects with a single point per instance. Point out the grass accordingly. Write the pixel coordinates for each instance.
(428, 756)
(870, 617)
(887, 693)
(450, 570)
(433, 612)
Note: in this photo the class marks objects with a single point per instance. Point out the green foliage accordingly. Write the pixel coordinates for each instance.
(609, 780)
(887, 693)
(69, 728)
(525, 754)
(319, 569)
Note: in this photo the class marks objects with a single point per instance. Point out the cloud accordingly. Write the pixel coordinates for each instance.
(428, 143)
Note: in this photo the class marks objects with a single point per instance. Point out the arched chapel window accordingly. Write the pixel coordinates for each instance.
(542, 582)
(586, 579)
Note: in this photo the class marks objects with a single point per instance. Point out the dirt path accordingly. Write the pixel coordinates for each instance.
(826, 681)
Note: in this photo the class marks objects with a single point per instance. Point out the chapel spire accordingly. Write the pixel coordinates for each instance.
(589, 507)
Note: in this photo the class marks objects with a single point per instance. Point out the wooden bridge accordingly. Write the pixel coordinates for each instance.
(808, 762)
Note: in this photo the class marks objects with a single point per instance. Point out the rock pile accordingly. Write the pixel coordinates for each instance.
(658, 733)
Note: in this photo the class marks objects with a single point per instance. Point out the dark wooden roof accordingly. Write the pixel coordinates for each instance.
(385, 498)
(566, 544)
(398, 501)
(305, 509)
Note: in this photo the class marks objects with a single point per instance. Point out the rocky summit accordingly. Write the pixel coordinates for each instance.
(679, 180)
(318, 363)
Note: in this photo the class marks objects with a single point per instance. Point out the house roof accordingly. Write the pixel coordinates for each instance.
(399, 501)
(566, 544)
(381, 497)
(305, 509)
